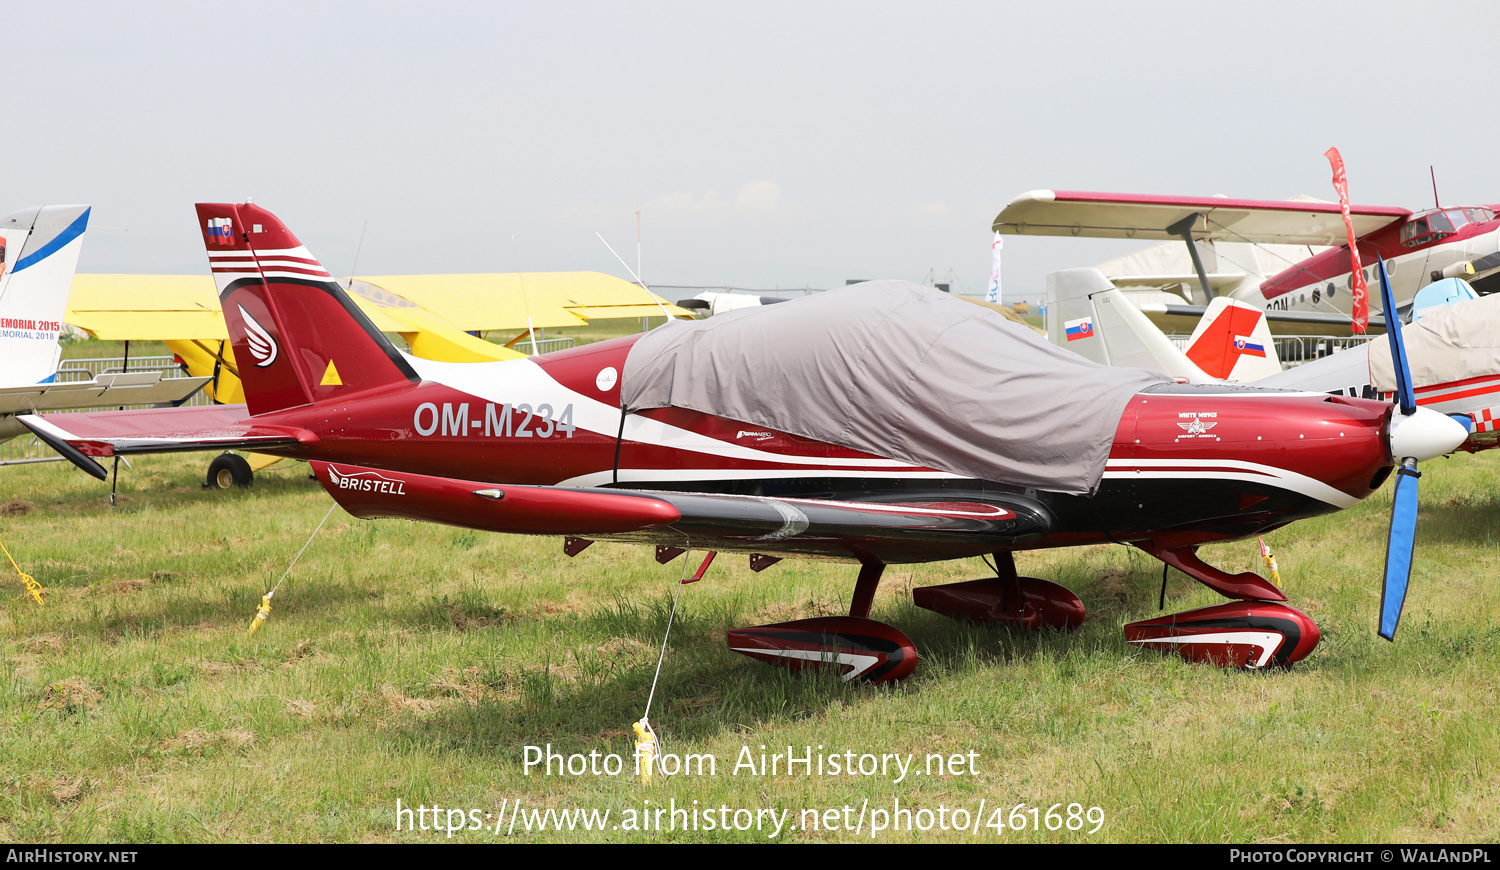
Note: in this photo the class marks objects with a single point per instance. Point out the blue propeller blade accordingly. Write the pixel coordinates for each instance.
(1398, 549)
(1406, 398)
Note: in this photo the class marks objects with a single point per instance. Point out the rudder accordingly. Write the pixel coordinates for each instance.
(39, 250)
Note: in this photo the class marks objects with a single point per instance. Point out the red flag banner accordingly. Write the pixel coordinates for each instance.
(1361, 291)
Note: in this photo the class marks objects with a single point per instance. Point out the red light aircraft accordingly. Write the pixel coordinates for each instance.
(833, 456)
(1418, 248)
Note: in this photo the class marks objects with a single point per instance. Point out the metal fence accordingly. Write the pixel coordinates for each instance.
(542, 345)
(1294, 350)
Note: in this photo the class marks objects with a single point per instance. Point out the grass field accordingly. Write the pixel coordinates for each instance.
(415, 663)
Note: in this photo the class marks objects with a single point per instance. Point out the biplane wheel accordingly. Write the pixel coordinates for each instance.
(229, 469)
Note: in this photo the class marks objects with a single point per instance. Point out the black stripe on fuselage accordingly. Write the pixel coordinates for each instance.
(333, 289)
(1125, 507)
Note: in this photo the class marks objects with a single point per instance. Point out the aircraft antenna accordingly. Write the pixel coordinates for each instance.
(357, 249)
(525, 302)
(637, 278)
(1433, 173)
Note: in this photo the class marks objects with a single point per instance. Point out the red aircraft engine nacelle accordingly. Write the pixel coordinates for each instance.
(1047, 605)
(1240, 634)
(862, 648)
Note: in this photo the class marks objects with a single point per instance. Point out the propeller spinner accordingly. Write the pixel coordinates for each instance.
(1415, 434)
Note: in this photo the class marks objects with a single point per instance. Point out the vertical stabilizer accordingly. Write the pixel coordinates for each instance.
(1095, 320)
(1233, 343)
(297, 336)
(39, 250)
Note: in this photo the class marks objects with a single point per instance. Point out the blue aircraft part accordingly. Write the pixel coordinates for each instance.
(73, 231)
(1398, 550)
(1441, 293)
(1408, 398)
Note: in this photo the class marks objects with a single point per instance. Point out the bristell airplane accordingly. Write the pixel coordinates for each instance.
(878, 424)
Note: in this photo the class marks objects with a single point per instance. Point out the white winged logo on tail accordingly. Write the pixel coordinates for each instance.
(262, 345)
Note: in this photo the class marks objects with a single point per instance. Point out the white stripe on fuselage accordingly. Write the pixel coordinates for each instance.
(1254, 472)
(521, 380)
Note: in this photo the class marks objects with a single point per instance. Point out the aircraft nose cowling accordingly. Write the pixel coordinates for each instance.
(1424, 435)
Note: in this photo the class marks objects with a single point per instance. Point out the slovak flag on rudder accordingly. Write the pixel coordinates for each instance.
(993, 293)
(1083, 327)
(221, 230)
(1247, 345)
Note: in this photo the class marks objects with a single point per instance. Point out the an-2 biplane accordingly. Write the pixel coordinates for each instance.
(879, 424)
(1418, 248)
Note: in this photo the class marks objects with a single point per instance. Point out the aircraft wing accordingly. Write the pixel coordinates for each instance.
(1146, 217)
(158, 430)
(843, 530)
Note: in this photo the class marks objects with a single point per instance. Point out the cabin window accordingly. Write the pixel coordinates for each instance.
(1479, 215)
(1427, 228)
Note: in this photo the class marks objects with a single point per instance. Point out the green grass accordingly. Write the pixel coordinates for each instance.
(415, 662)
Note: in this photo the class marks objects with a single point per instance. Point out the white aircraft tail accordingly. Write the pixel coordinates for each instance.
(1088, 315)
(1233, 343)
(38, 254)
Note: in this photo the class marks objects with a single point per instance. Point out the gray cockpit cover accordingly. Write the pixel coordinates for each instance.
(899, 371)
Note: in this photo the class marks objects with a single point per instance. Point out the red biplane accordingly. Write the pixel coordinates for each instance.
(1314, 291)
(879, 424)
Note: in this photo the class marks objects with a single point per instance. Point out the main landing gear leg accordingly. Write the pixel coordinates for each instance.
(1255, 631)
(1007, 598)
(859, 647)
(864, 589)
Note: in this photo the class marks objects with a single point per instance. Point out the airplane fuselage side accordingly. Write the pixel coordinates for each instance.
(1323, 283)
(554, 420)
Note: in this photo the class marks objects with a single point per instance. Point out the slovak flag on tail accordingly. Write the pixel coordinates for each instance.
(1080, 328)
(1233, 343)
(1247, 345)
(221, 230)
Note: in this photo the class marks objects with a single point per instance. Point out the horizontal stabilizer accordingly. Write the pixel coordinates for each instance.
(135, 388)
(165, 430)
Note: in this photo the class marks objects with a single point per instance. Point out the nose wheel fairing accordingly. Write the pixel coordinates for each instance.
(1256, 631)
(1239, 634)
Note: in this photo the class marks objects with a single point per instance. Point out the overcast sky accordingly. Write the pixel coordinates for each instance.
(768, 144)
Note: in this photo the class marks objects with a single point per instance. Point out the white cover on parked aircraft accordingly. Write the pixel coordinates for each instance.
(899, 371)
(1448, 344)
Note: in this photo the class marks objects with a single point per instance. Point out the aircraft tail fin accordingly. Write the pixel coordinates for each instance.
(297, 335)
(39, 250)
(1090, 316)
(1232, 342)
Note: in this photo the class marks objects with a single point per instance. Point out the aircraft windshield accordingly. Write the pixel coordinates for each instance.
(1432, 226)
